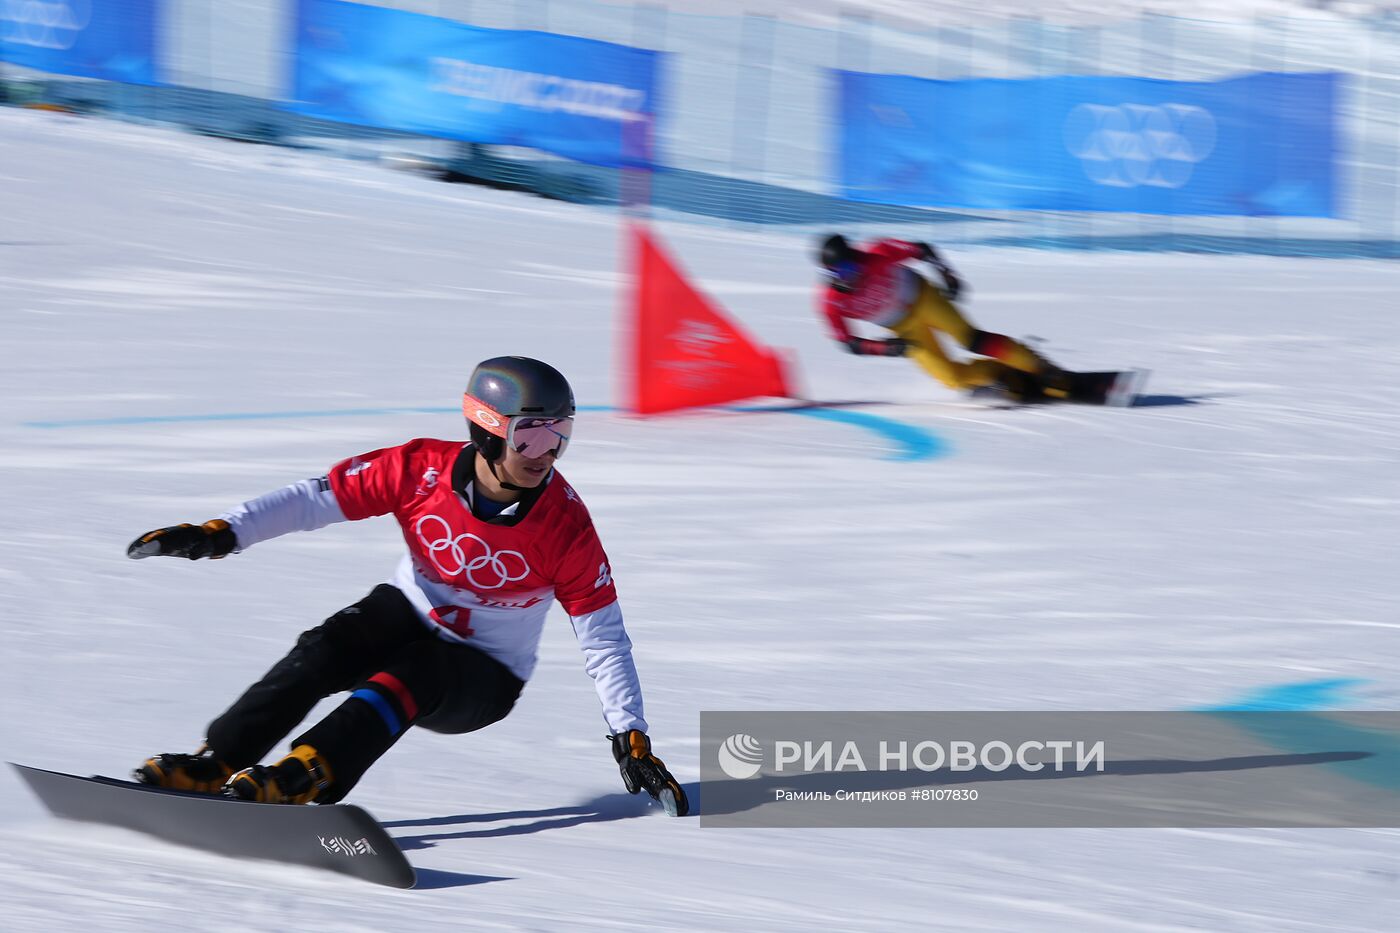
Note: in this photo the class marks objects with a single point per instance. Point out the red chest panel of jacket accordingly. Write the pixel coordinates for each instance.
(882, 292)
(552, 551)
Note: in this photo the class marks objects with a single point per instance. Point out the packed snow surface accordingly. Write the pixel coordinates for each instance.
(188, 323)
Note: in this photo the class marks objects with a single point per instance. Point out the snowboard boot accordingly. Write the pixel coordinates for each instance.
(201, 772)
(301, 777)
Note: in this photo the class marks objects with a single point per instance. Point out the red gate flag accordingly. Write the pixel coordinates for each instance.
(686, 351)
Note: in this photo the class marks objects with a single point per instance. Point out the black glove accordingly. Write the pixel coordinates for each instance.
(213, 539)
(952, 285)
(643, 771)
(865, 346)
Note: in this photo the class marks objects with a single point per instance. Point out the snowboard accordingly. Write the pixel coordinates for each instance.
(1117, 389)
(337, 837)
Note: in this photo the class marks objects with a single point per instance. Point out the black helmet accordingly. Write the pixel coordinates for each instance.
(835, 250)
(841, 262)
(506, 386)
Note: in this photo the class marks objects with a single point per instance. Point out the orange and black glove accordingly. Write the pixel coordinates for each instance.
(643, 771)
(213, 539)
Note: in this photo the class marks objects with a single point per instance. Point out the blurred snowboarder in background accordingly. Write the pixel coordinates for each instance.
(493, 533)
(877, 284)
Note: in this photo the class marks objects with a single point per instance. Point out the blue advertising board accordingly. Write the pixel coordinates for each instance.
(583, 99)
(1260, 144)
(110, 39)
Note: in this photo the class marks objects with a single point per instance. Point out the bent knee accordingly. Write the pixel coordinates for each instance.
(986, 343)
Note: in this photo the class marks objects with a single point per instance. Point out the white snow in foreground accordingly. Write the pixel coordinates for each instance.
(1238, 533)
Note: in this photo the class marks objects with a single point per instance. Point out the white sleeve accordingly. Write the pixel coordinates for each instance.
(607, 656)
(303, 506)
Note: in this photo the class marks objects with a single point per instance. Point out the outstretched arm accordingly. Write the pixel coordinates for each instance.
(833, 314)
(587, 593)
(607, 657)
(302, 506)
(370, 484)
(899, 250)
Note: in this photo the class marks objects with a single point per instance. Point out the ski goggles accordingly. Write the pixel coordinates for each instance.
(530, 435)
(844, 275)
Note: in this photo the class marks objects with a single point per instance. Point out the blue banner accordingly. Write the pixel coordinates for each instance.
(579, 98)
(1261, 144)
(110, 39)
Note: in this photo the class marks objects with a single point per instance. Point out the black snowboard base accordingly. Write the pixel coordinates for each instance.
(337, 837)
(1114, 388)
(1117, 389)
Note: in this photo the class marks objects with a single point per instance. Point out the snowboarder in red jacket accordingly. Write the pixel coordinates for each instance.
(493, 534)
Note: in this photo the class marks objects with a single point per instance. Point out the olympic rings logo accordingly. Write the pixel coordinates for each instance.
(466, 553)
(44, 25)
(1139, 144)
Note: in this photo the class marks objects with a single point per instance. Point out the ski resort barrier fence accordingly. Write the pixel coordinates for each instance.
(742, 114)
(115, 41)
(1257, 145)
(426, 75)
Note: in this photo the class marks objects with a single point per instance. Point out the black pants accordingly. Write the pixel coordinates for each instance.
(400, 674)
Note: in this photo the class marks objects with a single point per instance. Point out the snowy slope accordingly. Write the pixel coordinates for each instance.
(1234, 537)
